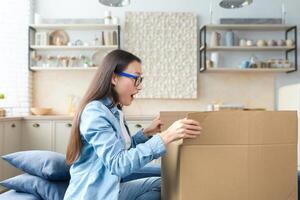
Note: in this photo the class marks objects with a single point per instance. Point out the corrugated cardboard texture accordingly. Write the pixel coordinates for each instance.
(240, 155)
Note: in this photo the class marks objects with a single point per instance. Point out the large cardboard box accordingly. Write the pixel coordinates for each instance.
(240, 155)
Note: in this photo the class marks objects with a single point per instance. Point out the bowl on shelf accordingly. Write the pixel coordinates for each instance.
(40, 110)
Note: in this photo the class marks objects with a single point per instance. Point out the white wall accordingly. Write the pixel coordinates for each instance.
(15, 79)
(244, 89)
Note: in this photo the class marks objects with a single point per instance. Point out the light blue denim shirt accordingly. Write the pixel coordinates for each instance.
(104, 160)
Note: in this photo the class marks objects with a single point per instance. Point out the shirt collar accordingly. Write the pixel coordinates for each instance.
(110, 105)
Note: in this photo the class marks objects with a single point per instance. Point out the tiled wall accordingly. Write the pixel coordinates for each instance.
(51, 89)
(15, 79)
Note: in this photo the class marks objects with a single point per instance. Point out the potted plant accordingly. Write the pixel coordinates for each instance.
(2, 96)
(2, 111)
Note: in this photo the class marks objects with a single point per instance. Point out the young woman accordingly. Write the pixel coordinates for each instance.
(101, 151)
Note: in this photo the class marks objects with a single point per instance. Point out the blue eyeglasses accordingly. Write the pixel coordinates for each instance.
(137, 79)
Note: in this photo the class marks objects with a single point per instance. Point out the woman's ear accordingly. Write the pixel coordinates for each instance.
(114, 80)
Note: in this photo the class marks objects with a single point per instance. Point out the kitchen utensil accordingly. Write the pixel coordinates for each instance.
(281, 42)
(40, 110)
(108, 38)
(78, 43)
(59, 38)
(41, 38)
(289, 43)
(209, 64)
(229, 38)
(253, 62)
(72, 104)
(261, 43)
(215, 39)
(215, 58)
(73, 61)
(271, 43)
(98, 57)
(2, 112)
(244, 64)
(249, 43)
(243, 43)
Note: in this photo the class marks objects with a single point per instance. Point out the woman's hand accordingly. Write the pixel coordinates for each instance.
(183, 128)
(155, 127)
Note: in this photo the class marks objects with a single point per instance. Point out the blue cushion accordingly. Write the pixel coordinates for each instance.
(14, 195)
(46, 164)
(41, 188)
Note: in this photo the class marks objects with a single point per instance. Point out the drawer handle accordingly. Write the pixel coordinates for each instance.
(35, 125)
(138, 126)
(68, 125)
(13, 125)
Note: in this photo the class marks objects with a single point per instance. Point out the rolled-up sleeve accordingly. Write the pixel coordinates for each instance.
(96, 128)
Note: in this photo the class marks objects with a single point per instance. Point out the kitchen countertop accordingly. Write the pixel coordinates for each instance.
(3, 119)
(68, 117)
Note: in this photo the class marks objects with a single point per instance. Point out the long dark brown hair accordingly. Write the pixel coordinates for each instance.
(100, 87)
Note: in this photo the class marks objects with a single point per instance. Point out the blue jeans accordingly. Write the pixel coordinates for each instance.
(142, 185)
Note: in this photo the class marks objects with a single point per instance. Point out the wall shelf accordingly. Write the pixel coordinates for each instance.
(73, 26)
(271, 70)
(255, 27)
(287, 29)
(252, 48)
(52, 47)
(36, 68)
(34, 28)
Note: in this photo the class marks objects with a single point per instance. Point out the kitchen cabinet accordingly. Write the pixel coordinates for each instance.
(37, 135)
(1, 152)
(62, 131)
(12, 143)
(135, 126)
(10, 140)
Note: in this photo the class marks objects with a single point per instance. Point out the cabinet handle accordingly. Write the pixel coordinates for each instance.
(68, 125)
(35, 125)
(13, 125)
(138, 126)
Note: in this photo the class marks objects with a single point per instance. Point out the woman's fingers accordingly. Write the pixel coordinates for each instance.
(191, 132)
(187, 136)
(192, 127)
(190, 121)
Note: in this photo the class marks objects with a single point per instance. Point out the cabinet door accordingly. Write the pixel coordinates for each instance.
(1, 153)
(62, 133)
(37, 135)
(135, 126)
(12, 143)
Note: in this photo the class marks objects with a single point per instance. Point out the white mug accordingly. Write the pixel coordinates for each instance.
(289, 43)
(243, 43)
(249, 43)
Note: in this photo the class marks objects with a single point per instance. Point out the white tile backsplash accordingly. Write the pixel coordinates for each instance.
(15, 79)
